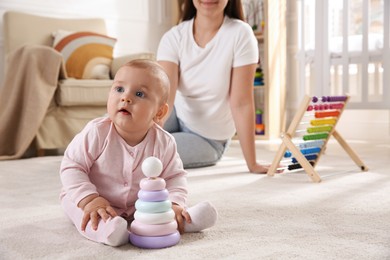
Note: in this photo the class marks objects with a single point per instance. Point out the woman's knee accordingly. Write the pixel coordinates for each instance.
(195, 151)
(172, 124)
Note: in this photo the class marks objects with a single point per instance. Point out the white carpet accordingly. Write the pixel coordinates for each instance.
(346, 216)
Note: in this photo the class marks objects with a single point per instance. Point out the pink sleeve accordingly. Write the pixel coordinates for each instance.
(76, 163)
(174, 174)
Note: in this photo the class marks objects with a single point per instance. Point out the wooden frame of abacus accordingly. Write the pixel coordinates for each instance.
(304, 163)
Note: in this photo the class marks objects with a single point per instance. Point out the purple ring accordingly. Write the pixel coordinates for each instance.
(154, 242)
(153, 195)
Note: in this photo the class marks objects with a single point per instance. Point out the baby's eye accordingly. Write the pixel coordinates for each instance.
(119, 89)
(140, 94)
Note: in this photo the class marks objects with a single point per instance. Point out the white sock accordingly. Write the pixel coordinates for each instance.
(117, 233)
(203, 215)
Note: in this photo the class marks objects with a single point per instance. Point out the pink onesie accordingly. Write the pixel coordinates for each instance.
(99, 161)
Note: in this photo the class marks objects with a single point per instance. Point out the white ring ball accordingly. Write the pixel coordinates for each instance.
(152, 167)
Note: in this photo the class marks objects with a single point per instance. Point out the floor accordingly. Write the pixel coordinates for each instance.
(286, 216)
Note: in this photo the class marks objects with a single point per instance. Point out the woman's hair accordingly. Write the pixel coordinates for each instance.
(233, 9)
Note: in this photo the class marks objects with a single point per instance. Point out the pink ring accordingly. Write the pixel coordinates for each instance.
(158, 195)
(155, 242)
(152, 184)
(142, 229)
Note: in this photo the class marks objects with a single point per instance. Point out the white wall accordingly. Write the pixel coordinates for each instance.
(137, 24)
(369, 125)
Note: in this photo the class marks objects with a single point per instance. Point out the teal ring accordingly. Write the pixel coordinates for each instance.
(153, 206)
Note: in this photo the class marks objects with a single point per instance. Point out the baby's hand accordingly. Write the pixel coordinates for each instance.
(182, 216)
(97, 208)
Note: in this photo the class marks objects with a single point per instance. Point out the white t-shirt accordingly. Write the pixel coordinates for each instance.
(202, 99)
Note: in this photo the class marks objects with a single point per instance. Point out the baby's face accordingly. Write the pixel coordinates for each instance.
(134, 100)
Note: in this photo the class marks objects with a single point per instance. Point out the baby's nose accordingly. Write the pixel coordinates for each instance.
(126, 100)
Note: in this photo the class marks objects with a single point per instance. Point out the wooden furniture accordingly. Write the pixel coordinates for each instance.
(274, 67)
(316, 135)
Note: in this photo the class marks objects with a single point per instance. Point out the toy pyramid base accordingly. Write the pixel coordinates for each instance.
(154, 242)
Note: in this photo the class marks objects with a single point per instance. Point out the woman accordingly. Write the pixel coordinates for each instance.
(211, 58)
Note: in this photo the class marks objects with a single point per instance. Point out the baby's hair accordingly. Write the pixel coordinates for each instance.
(157, 70)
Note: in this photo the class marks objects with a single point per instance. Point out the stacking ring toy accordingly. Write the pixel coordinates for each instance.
(152, 184)
(153, 206)
(154, 224)
(142, 229)
(154, 218)
(154, 242)
(153, 195)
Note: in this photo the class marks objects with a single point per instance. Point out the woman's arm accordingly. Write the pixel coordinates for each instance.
(243, 110)
(172, 69)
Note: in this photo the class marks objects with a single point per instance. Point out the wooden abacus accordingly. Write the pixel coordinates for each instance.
(326, 114)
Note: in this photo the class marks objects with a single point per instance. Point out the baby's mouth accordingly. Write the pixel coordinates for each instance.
(124, 111)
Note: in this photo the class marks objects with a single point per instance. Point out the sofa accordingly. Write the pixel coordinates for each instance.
(77, 96)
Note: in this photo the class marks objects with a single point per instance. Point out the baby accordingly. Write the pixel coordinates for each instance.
(101, 168)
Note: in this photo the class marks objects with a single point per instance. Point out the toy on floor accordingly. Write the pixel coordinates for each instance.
(314, 123)
(154, 224)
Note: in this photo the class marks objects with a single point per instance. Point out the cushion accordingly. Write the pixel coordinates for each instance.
(87, 92)
(86, 55)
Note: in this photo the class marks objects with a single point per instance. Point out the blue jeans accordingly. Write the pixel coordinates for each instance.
(195, 151)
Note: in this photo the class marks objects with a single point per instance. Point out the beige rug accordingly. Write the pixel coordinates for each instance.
(346, 216)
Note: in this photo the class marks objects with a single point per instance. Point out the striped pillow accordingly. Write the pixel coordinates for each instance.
(86, 55)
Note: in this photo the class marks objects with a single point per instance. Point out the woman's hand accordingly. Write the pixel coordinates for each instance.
(263, 169)
(97, 207)
(182, 216)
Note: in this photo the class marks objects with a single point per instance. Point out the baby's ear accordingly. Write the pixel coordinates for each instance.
(162, 111)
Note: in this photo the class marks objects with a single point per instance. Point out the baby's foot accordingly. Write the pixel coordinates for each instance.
(117, 233)
(203, 215)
